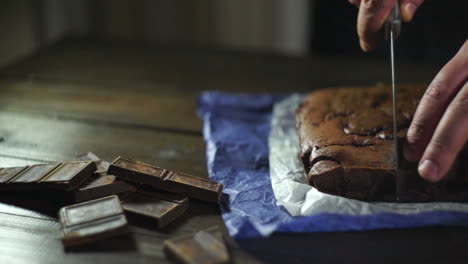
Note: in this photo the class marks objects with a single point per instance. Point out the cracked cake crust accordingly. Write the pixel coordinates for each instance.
(346, 137)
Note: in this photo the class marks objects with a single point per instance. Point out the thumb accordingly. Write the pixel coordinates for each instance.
(408, 8)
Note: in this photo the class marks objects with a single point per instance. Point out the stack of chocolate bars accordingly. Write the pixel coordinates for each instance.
(106, 193)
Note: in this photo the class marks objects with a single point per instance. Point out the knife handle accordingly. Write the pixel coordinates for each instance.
(393, 22)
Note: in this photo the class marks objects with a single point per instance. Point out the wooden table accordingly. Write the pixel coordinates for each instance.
(140, 101)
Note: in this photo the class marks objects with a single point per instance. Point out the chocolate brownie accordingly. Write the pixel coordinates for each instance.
(346, 137)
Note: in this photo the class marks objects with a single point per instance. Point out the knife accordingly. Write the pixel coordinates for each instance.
(392, 30)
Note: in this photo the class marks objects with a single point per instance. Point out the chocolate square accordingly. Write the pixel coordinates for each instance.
(91, 221)
(157, 208)
(139, 172)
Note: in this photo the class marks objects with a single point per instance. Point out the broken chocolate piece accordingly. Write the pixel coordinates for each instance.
(102, 165)
(92, 221)
(156, 207)
(68, 175)
(101, 185)
(206, 246)
(159, 178)
(60, 176)
(7, 173)
(33, 173)
(215, 247)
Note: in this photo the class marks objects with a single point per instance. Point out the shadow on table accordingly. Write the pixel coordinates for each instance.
(47, 203)
(422, 245)
(125, 242)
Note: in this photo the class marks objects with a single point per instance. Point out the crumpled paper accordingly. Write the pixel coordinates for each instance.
(236, 130)
(292, 190)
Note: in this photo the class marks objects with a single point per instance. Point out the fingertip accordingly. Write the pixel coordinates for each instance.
(429, 170)
(408, 11)
(366, 46)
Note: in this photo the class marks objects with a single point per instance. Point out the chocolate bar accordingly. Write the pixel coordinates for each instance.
(33, 173)
(206, 246)
(102, 165)
(191, 186)
(155, 207)
(7, 173)
(91, 221)
(101, 185)
(60, 176)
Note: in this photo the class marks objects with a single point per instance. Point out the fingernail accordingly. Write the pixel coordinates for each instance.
(408, 11)
(364, 46)
(429, 170)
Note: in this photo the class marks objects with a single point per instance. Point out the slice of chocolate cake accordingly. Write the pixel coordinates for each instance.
(346, 137)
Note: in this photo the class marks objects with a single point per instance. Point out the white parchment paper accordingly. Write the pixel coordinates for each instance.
(290, 185)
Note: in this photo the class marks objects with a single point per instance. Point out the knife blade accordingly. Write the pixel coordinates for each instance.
(393, 28)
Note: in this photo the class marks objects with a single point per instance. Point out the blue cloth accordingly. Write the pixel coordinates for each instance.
(236, 129)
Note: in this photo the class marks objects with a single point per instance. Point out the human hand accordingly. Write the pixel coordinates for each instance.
(439, 129)
(372, 16)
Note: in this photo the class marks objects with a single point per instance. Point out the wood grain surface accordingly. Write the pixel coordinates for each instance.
(140, 101)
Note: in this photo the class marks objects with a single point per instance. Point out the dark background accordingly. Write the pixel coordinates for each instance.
(437, 31)
(298, 28)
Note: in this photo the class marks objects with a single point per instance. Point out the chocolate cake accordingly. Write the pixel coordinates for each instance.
(346, 137)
